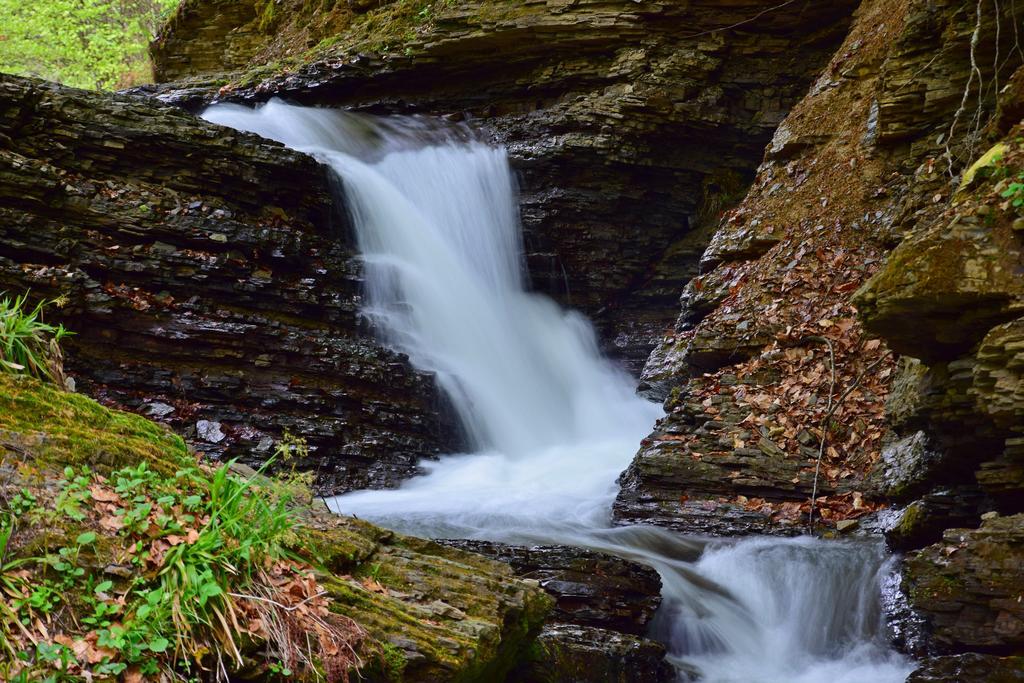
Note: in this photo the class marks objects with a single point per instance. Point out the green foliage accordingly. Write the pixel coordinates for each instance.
(1015, 192)
(194, 537)
(83, 43)
(27, 344)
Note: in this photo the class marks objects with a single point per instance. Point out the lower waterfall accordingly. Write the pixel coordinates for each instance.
(551, 422)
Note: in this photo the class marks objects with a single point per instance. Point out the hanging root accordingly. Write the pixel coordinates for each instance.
(962, 109)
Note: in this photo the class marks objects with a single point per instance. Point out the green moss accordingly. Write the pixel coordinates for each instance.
(395, 661)
(333, 28)
(339, 550)
(59, 429)
(265, 15)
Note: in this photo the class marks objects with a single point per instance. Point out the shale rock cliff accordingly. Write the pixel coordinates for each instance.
(210, 282)
(854, 332)
(770, 364)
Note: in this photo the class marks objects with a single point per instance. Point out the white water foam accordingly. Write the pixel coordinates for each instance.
(551, 422)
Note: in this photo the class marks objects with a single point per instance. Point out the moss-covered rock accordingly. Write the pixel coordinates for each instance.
(431, 613)
(956, 276)
(55, 428)
(581, 654)
(970, 586)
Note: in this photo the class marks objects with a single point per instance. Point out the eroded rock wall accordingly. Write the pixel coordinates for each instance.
(857, 324)
(209, 281)
(770, 365)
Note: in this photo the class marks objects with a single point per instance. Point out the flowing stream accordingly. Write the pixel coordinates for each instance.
(550, 422)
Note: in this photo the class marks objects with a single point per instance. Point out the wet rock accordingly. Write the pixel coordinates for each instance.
(969, 587)
(923, 521)
(905, 468)
(209, 431)
(102, 200)
(976, 668)
(905, 629)
(590, 589)
(590, 655)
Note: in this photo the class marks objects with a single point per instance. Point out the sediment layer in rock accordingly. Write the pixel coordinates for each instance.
(771, 361)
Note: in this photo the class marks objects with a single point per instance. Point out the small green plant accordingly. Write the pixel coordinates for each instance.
(12, 586)
(74, 491)
(279, 670)
(28, 344)
(395, 661)
(23, 502)
(291, 446)
(294, 484)
(1015, 191)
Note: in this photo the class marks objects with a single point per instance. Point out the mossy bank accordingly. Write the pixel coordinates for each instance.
(104, 508)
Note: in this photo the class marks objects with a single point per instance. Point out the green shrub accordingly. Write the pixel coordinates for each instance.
(27, 344)
(83, 43)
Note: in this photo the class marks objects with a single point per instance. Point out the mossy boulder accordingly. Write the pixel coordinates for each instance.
(957, 276)
(581, 654)
(54, 429)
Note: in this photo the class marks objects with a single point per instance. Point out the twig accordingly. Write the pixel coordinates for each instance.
(824, 428)
(741, 23)
(1016, 34)
(828, 412)
(995, 62)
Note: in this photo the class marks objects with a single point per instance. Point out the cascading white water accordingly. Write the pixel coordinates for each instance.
(551, 422)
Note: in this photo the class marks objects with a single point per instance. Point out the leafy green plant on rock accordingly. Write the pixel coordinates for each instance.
(211, 575)
(1015, 192)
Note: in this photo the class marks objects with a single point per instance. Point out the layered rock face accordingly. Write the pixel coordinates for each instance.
(209, 280)
(770, 375)
(631, 124)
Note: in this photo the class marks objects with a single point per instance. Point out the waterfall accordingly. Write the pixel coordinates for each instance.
(551, 423)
